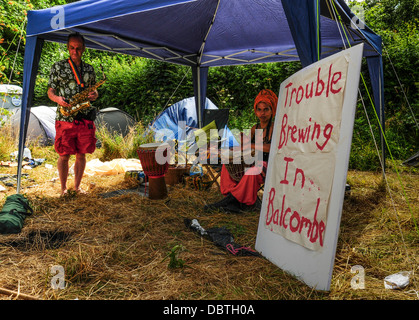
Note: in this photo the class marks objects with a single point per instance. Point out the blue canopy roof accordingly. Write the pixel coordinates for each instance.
(199, 32)
(202, 34)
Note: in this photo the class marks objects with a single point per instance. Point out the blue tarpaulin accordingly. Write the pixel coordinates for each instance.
(202, 34)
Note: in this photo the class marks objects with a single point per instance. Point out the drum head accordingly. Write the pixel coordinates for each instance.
(154, 145)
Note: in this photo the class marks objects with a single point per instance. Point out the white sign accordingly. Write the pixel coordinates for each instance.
(306, 178)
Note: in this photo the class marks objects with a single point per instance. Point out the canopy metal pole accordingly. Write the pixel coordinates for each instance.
(198, 70)
(32, 56)
(382, 131)
(200, 75)
(198, 100)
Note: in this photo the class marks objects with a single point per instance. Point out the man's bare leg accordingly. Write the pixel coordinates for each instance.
(62, 166)
(79, 167)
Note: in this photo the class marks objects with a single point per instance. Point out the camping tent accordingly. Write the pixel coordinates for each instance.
(168, 124)
(115, 120)
(41, 125)
(203, 34)
(10, 97)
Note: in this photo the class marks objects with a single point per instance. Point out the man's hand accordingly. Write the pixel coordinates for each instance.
(61, 101)
(57, 99)
(93, 95)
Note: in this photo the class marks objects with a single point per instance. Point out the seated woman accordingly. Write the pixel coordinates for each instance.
(242, 195)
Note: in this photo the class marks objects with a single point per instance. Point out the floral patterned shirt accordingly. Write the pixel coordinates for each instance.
(63, 81)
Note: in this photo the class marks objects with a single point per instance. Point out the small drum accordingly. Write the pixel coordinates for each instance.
(154, 168)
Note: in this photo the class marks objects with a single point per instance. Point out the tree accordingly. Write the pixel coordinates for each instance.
(13, 33)
(396, 21)
(392, 14)
(12, 38)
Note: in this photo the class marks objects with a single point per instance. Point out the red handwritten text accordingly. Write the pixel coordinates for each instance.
(288, 218)
(306, 92)
(293, 220)
(313, 132)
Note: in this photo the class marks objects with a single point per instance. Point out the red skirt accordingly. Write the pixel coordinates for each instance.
(245, 191)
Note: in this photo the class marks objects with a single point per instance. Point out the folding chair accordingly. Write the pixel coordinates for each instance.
(220, 116)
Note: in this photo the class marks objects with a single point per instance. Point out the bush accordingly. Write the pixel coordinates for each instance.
(115, 145)
(144, 87)
(7, 143)
(141, 87)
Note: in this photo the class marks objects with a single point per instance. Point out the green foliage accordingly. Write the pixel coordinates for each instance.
(144, 87)
(390, 14)
(12, 26)
(174, 261)
(235, 88)
(114, 145)
(5, 115)
(364, 152)
(397, 23)
(12, 35)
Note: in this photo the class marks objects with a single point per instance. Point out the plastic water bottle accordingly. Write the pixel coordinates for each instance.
(27, 154)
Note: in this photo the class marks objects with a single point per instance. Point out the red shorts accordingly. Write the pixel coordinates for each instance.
(75, 137)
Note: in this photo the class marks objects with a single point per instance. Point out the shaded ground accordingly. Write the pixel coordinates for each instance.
(130, 247)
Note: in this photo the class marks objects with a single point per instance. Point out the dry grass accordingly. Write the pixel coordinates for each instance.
(116, 248)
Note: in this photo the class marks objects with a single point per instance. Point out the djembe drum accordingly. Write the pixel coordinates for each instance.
(153, 169)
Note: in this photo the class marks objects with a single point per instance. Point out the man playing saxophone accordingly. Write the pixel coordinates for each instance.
(75, 132)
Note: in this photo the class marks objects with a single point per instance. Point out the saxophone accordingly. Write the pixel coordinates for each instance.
(80, 101)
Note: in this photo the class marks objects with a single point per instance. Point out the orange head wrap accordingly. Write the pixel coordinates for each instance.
(269, 97)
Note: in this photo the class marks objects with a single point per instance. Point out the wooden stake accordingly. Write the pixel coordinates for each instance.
(18, 295)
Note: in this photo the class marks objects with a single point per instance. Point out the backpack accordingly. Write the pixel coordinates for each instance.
(14, 212)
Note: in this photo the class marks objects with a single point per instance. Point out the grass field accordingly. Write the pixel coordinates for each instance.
(130, 247)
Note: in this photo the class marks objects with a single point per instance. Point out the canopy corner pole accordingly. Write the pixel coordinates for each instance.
(33, 49)
(200, 75)
(198, 97)
(383, 123)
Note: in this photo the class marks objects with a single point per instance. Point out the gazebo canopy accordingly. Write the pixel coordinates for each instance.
(203, 34)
